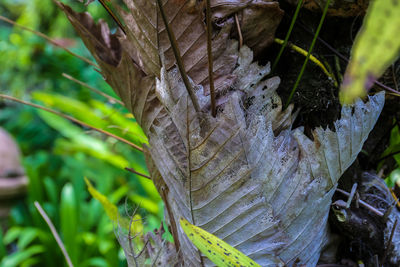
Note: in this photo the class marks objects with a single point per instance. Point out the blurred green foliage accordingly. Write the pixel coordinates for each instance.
(58, 154)
(393, 150)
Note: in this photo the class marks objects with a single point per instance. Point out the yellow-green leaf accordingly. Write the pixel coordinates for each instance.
(218, 251)
(112, 211)
(377, 45)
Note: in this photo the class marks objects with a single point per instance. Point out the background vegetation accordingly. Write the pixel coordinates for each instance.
(58, 154)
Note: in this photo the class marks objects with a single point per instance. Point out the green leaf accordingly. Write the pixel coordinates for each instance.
(96, 262)
(134, 225)
(393, 177)
(3, 250)
(26, 237)
(12, 234)
(81, 141)
(30, 262)
(112, 211)
(146, 203)
(96, 114)
(218, 251)
(17, 258)
(394, 146)
(375, 48)
(69, 220)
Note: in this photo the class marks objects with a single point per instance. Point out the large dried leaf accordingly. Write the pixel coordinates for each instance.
(258, 20)
(340, 8)
(135, 88)
(147, 38)
(267, 195)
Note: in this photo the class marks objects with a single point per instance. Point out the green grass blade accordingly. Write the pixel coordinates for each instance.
(296, 84)
(289, 32)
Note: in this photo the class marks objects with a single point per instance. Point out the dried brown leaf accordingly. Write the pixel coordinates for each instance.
(258, 20)
(146, 37)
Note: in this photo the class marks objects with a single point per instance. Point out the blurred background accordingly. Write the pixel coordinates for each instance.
(57, 154)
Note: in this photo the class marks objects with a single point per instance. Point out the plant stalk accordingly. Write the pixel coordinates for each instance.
(178, 58)
(210, 59)
(308, 54)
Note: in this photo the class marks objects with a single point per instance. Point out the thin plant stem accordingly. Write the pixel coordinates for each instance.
(308, 54)
(130, 238)
(174, 231)
(132, 170)
(210, 59)
(239, 31)
(110, 98)
(389, 155)
(362, 203)
(296, 13)
(394, 78)
(54, 232)
(389, 243)
(72, 119)
(55, 43)
(178, 58)
(342, 57)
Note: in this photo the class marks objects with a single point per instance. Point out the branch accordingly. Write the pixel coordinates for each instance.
(72, 119)
(54, 232)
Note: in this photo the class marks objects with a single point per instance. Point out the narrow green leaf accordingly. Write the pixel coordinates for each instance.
(81, 141)
(112, 211)
(97, 114)
(18, 257)
(69, 221)
(376, 46)
(12, 234)
(136, 227)
(27, 236)
(3, 250)
(218, 251)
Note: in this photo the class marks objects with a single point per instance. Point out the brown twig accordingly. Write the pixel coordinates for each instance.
(178, 57)
(174, 231)
(54, 232)
(389, 242)
(394, 78)
(71, 119)
(132, 170)
(239, 31)
(389, 155)
(110, 98)
(210, 59)
(55, 43)
(363, 203)
(351, 196)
